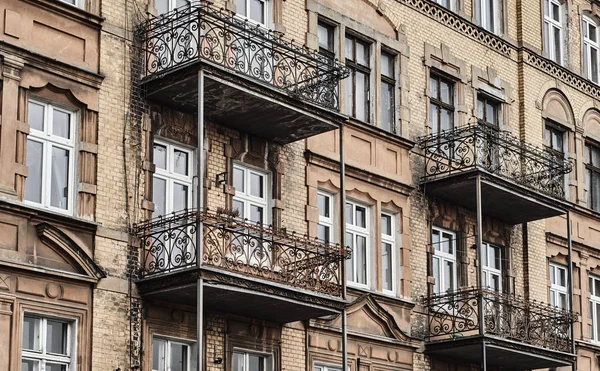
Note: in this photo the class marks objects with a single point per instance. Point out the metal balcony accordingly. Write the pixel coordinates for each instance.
(250, 265)
(520, 182)
(518, 333)
(253, 74)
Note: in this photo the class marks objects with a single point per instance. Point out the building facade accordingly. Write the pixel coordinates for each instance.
(287, 185)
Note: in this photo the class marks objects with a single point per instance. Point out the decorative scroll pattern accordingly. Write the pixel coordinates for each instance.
(458, 23)
(217, 36)
(240, 246)
(455, 314)
(497, 152)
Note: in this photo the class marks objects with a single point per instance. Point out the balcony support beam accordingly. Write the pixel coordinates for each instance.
(343, 245)
(199, 226)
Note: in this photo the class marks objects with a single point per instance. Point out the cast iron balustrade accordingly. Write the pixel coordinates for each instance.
(239, 246)
(497, 152)
(219, 37)
(455, 315)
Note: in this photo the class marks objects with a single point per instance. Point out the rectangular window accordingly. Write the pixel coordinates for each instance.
(553, 29)
(256, 11)
(251, 194)
(441, 104)
(388, 252)
(326, 213)
(48, 344)
(592, 175)
(50, 157)
(172, 180)
(325, 33)
(559, 295)
(169, 355)
(165, 6)
(448, 4)
(553, 139)
(489, 111)
(388, 96)
(444, 260)
(248, 361)
(358, 60)
(323, 367)
(492, 267)
(594, 288)
(590, 49)
(357, 238)
(489, 15)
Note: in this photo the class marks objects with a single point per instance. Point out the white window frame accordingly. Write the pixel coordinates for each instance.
(555, 289)
(320, 366)
(327, 221)
(488, 271)
(482, 12)
(49, 141)
(167, 351)
(266, 13)
(549, 25)
(389, 239)
(171, 177)
(42, 356)
(78, 3)
(357, 231)
(451, 4)
(247, 199)
(443, 257)
(268, 358)
(594, 311)
(171, 5)
(588, 44)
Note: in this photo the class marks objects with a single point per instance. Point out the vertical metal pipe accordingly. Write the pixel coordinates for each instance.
(343, 245)
(479, 253)
(199, 228)
(484, 357)
(570, 278)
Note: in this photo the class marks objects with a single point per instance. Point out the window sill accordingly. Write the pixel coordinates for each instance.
(33, 211)
(382, 295)
(70, 11)
(380, 133)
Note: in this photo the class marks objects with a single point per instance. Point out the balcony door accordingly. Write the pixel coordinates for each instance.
(492, 267)
(489, 116)
(494, 305)
(173, 243)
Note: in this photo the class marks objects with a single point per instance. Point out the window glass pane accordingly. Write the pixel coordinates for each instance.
(55, 367)
(323, 205)
(435, 240)
(555, 12)
(56, 337)
(490, 15)
(180, 197)
(257, 11)
(386, 225)
(350, 262)
(480, 108)
(256, 185)
(323, 233)
(446, 120)
(31, 334)
(386, 263)
(35, 116)
(158, 354)
(597, 287)
(433, 117)
(255, 363)
(445, 92)
(552, 275)
(495, 280)
(162, 6)
(597, 321)
(387, 65)
(29, 365)
(159, 193)
(160, 156)
(361, 259)
(448, 275)
(240, 7)
(362, 53)
(179, 357)
(180, 159)
(592, 32)
(324, 35)
(588, 183)
(562, 301)
(238, 362)
(594, 64)
(436, 275)
(180, 3)
(595, 156)
(59, 190)
(238, 180)
(552, 299)
(387, 106)
(361, 96)
(433, 86)
(61, 124)
(350, 94)
(239, 206)
(546, 8)
(557, 41)
(446, 243)
(349, 49)
(257, 214)
(562, 277)
(361, 217)
(596, 191)
(491, 113)
(591, 285)
(33, 183)
(349, 214)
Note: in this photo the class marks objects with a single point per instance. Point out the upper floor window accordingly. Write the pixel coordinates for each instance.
(492, 267)
(325, 33)
(558, 286)
(554, 138)
(448, 4)
(172, 180)
(326, 213)
(590, 49)
(388, 96)
(48, 344)
(358, 60)
(165, 6)
(441, 104)
(553, 29)
(444, 260)
(77, 3)
(489, 15)
(50, 157)
(168, 355)
(253, 10)
(251, 193)
(592, 176)
(489, 111)
(357, 238)
(594, 288)
(388, 255)
(249, 361)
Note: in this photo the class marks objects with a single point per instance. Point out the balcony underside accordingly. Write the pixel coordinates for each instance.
(500, 198)
(235, 294)
(234, 101)
(500, 353)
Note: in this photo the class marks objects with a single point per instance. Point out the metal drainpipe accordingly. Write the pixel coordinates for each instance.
(199, 228)
(342, 246)
(480, 270)
(570, 278)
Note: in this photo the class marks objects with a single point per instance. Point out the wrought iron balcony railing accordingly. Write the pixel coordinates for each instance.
(219, 37)
(497, 152)
(239, 246)
(456, 314)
